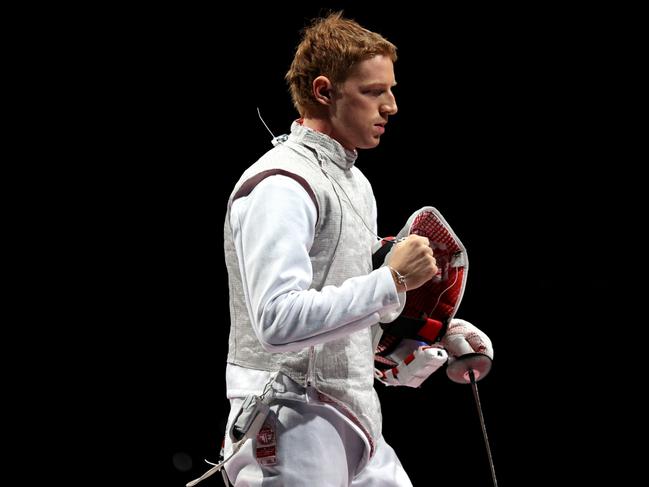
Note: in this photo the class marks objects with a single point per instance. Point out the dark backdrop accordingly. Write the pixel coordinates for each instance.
(503, 120)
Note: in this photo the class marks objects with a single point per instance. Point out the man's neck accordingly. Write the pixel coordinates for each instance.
(318, 124)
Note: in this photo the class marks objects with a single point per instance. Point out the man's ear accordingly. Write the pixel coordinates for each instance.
(322, 88)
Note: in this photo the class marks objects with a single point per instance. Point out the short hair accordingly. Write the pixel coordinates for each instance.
(330, 47)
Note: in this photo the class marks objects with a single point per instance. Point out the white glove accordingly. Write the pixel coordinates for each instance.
(462, 337)
(413, 369)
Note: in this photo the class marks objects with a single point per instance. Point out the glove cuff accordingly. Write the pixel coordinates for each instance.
(425, 330)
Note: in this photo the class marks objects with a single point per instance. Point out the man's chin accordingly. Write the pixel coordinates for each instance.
(370, 144)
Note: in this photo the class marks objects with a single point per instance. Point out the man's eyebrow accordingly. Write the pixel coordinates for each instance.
(378, 84)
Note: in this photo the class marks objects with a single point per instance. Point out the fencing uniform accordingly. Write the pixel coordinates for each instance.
(298, 237)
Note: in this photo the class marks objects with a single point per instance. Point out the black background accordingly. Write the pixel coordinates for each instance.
(505, 118)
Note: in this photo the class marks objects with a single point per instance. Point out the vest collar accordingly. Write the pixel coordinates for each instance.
(323, 144)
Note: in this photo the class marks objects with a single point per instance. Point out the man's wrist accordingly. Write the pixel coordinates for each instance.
(399, 280)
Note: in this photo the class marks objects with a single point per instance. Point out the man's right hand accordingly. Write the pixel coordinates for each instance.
(412, 258)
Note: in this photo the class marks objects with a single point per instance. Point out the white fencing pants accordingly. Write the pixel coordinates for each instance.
(316, 446)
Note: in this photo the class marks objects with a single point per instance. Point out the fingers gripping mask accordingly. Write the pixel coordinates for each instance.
(429, 308)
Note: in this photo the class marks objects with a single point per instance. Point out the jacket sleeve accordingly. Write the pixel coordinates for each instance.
(273, 230)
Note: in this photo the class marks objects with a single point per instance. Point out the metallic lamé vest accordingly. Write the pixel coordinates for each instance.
(344, 368)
